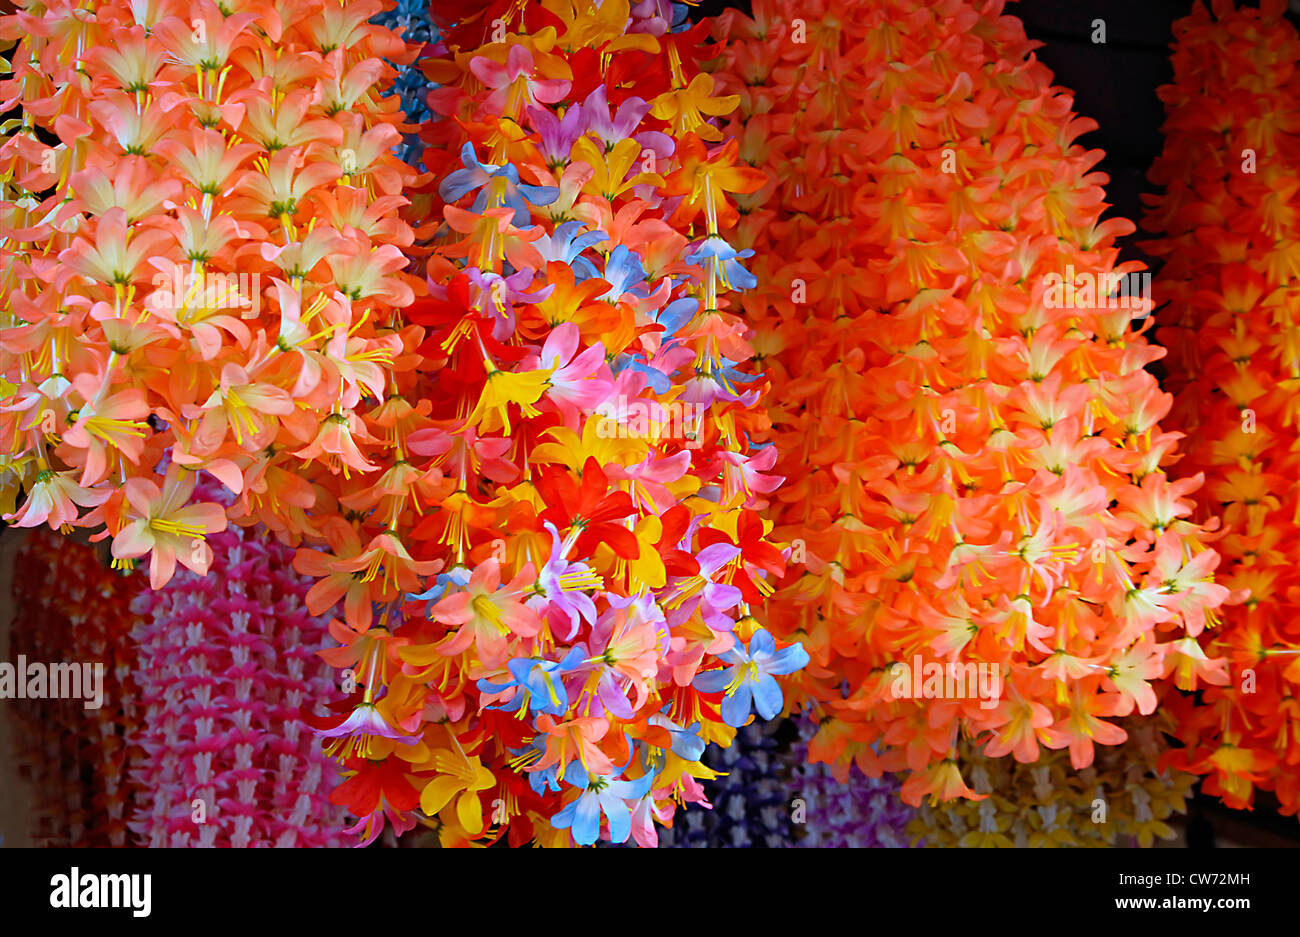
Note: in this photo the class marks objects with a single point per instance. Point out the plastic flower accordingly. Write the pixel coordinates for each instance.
(749, 682)
(162, 524)
(600, 797)
(486, 614)
(540, 684)
(546, 622)
(972, 455)
(460, 779)
(1228, 295)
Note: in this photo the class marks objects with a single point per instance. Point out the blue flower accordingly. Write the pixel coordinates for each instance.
(476, 175)
(457, 576)
(601, 795)
(676, 314)
(727, 259)
(566, 246)
(623, 271)
(656, 380)
(749, 681)
(540, 683)
(539, 781)
(687, 744)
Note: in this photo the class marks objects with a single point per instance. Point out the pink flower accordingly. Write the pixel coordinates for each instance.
(165, 525)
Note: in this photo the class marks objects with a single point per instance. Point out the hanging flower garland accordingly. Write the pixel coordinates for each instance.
(1125, 798)
(974, 451)
(769, 795)
(71, 609)
(1229, 239)
(202, 273)
(225, 664)
(203, 262)
(580, 476)
(750, 801)
(410, 19)
(851, 812)
(197, 738)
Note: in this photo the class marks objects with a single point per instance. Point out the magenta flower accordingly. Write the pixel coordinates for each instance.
(519, 64)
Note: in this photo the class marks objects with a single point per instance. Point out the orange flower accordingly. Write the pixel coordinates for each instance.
(703, 180)
(1229, 292)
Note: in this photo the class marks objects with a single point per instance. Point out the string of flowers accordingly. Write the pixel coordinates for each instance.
(201, 273)
(1125, 798)
(1228, 235)
(71, 609)
(750, 800)
(841, 808)
(569, 534)
(226, 662)
(974, 451)
(411, 19)
(197, 738)
(206, 265)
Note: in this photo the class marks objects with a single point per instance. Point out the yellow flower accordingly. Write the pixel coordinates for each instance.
(461, 778)
(686, 108)
(503, 388)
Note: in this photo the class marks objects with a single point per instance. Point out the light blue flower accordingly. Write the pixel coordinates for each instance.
(676, 314)
(730, 272)
(540, 682)
(623, 272)
(566, 246)
(750, 680)
(545, 779)
(687, 744)
(600, 796)
(458, 576)
(476, 175)
(655, 379)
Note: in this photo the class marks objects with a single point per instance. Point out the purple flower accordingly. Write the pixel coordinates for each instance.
(498, 294)
(562, 582)
(623, 125)
(365, 720)
(558, 134)
(689, 592)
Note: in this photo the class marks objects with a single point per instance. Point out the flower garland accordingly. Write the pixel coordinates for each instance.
(1229, 239)
(411, 18)
(749, 800)
(853, 812)
(974, 452)
(568, 528)
(70, 608)
(1125, 798)
(225, 664)
(198, 740)
(205, 265)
